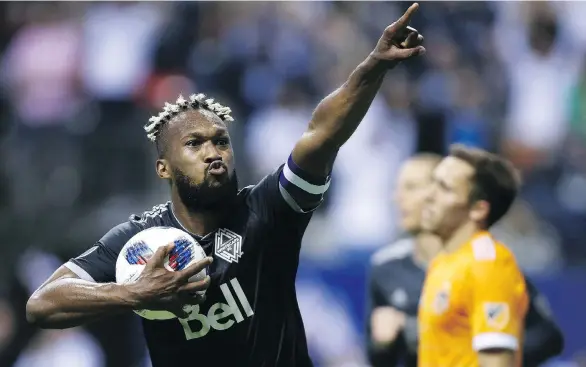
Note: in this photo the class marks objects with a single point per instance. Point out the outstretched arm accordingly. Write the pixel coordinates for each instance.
(336, 118)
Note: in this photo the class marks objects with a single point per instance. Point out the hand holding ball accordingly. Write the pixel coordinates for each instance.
(165, 270)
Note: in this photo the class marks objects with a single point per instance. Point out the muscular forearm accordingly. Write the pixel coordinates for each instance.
(337, 117)
(340, 113)
(69, 302)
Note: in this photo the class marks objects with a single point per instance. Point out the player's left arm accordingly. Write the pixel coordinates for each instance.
(543, 338)
(498, 307)
(306, 175)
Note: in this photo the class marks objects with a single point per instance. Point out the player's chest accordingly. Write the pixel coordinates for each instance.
(404, 291)
(445, 298)
(236, 249)
(230, 297)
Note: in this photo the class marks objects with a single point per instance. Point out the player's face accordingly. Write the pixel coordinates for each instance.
(411, 191)
(200, 160)
(447, 203)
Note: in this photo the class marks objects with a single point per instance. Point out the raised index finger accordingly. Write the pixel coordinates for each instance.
(406, 18)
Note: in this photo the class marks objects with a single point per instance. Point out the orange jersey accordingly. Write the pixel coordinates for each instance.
(473, 299)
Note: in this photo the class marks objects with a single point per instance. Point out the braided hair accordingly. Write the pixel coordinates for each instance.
(195, 102)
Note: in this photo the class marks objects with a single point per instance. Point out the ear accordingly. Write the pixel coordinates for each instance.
(479, 211)
(163, 169)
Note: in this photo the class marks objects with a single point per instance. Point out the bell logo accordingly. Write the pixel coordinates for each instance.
(219, 315)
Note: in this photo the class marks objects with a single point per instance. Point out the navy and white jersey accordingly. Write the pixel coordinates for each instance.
(250, 316)
(396, 280)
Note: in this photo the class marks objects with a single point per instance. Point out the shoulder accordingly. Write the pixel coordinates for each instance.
(273, 197)
(485, 249)
(244, 192)
(118, 235)
(489, 260)
(158, 215)
(393, 252)
(254, 195)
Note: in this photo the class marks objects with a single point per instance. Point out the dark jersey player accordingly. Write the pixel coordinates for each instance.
(250, 315)
(397, 276)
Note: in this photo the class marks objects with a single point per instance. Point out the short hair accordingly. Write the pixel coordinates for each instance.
(195, 102)
(427, 157)
(495, 180)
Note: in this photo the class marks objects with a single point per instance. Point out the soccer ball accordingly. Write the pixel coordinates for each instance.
(142, 246)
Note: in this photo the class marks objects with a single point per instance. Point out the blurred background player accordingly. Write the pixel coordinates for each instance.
(474, 297)
(253, 235)
(398, 272)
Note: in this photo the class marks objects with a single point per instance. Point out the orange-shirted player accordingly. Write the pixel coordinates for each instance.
(474, 299)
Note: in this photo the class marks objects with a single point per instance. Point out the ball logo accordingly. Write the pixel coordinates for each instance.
(181, 255)
(140, 249)
(139, 253)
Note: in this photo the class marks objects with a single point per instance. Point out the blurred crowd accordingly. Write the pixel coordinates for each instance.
(79, 80)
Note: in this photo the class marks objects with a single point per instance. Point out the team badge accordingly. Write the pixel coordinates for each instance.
(399, 298)
(496, 314)
(228, 245)
(442, 299)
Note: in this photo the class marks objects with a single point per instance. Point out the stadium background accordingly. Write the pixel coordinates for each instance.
(78, 81)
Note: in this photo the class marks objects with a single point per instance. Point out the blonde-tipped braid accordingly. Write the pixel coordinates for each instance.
(195, 102)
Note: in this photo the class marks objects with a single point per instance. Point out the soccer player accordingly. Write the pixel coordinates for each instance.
(474, 297)
(397, 276)
(250, 316)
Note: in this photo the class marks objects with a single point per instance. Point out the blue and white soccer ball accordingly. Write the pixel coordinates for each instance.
(142, 246)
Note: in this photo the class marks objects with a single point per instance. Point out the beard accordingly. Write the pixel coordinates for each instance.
(204, 196)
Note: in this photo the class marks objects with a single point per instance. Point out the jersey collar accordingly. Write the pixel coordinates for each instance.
(178, 223)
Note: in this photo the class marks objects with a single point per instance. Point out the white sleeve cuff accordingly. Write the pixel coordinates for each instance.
(303, 184)
(494, 341)
(82, 274)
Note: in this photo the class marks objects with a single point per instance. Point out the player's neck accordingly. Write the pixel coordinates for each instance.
(427, 246)
(198, 223)
(460, 236)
